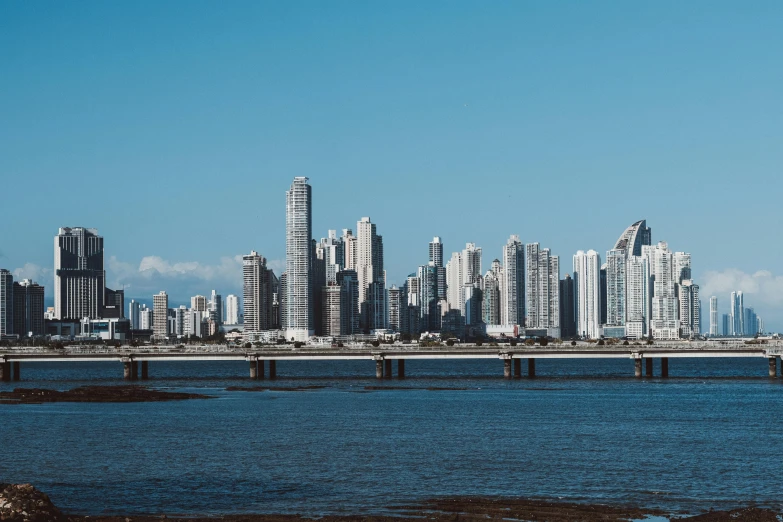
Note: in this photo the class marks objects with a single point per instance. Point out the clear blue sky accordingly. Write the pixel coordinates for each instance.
(176, 127)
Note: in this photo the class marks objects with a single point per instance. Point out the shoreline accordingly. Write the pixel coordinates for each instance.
(25, 503)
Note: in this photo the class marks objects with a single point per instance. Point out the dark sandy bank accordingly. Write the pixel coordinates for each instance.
(94, 394)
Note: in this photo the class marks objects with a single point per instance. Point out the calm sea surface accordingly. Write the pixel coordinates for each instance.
(709, 436)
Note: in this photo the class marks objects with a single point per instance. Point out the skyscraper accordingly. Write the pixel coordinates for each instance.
(198, 303)
(713, 316)
(665, 323)
(542, 289)
(299, 232)
(28, 308)
(428, 297)
(133, 314)
(634, 238)
(491, 298)
(232, 306)
(6, 302)
(216, 308)
(436, 257)
(587, 268)
(567, 308)
(690, 311)
(513, 283)
(348, 281)
(160, 310)
(257, 293)
(615, 287)
(79, 277)
(736, 313)
(372, 279)
(395, 297)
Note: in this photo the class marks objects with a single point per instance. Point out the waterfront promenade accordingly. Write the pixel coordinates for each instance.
(262, 360)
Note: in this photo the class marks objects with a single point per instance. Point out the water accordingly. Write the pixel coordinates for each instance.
(709, 436)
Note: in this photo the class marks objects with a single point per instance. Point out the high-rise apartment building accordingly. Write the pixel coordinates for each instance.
(713, 316)
(491, 298)
(299, 312)
(567, 308)
(436, 257)
(394, 308)
(333, 256)
(6, 303)
(615, 287)
(690, 310)
(232, 305)
(331, 306)
(542, 289)
(216, 308)
(665, 322)
(79, 276)
(257, 290)
(513, 283)
(726, 322)
(28, 309)
(145, 318)
(198, 303)
(160, 310)
(348, 281)
(428, 298)
(372, 278)
(587, 294)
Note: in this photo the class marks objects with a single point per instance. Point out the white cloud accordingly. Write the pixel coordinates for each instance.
(759, 288)
(180, 279)
(37, 273)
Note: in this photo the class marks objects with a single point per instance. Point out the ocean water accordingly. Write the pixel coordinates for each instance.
(711, 435)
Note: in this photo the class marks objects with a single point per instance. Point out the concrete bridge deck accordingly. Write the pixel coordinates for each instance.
(384, 354)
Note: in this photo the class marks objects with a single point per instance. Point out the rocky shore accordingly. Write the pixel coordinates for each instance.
(94, 394)
(24, 503)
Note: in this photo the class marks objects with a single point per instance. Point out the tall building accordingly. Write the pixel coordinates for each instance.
(257, 289)
(665, 322)
(198, 303)
(542, 289)
(160, 310)
(28, 309)
(300, 312)
(491, 298)
(637, 296)
(436, 257)
(634, 238)
(372, 279)
(428, 298)
(79, 276)
(394, 308)
(736, 313)
(726, 322)
(331, 306)
(216, 308)
(134, 308)
(113, 304)
(333, 256)
(454, 281)
(690, 311)
(232, 306)
(587, 294)
(6, 303)
(615, 287)
(567, 308)
(348, 282)
(713, 316)
(602, 291)
(145, 318)
(513, 283)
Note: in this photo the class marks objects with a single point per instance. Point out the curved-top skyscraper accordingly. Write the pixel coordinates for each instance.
(634, 237)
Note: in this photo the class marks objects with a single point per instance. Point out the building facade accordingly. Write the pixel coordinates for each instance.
(28, 309)
(299, 310)
(587, 294)
(79, 276)
(160, 312)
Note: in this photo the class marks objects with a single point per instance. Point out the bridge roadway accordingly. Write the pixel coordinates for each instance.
(383, 355)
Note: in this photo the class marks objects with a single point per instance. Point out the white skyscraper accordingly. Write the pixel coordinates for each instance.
(372, 279)
(454, 281)
(256, 293)
(133, 314)
(160, 312)
(737, 314)
(542, 289)
(665, 307)
(299, 232)
(637, 296)
(615, 287)
(587, 268)
(232, 309)
(512, 285)
(690, 313)
(713, 316)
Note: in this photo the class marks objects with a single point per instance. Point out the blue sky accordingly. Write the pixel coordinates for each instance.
(176, 127)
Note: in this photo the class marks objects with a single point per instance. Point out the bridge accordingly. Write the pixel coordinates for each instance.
(136, 360)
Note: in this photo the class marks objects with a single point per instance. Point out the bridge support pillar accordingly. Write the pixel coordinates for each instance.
(517, 368)
(126, 370)
(253, 370)
(664, 366)
(400, 368)
(379, 369)
(17, 374)
(145, 370)
(5, 371)
(648, 367)
(134, 371)
(387, 371)
(637, 367)
(773, 368)
(261, 369)
(506, 368)
(273, 369)
(531, 367)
